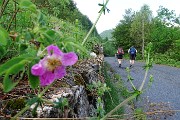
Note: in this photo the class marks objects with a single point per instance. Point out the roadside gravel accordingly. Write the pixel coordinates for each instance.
(164, 93)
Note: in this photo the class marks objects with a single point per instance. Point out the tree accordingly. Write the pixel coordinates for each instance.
(121, 33)
(140, 26)
(160, 35)
(168, 17)
(165, 31)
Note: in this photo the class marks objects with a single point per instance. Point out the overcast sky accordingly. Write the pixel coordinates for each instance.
(117, 10)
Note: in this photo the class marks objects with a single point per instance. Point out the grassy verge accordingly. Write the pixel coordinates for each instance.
(161, 59)
(165, 60)
(117, 91)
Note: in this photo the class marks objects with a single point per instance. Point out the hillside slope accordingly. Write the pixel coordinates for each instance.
(106, 34)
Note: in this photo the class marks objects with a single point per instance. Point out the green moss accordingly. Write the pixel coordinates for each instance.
(18, 103)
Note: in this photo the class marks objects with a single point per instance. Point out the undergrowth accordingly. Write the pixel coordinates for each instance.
(117, 91)
(164, 59)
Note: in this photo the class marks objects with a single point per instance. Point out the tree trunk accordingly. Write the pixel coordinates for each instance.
(143, 37)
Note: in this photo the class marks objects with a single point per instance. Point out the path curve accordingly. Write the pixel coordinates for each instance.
(164, 89)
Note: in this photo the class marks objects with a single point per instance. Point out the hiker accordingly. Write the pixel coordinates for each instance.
(119, 55)
(132, 53)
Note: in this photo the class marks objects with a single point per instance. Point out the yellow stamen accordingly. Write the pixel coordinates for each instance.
(53, 63)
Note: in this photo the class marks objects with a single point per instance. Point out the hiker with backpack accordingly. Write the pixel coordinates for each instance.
(132, 52)
(119, 55)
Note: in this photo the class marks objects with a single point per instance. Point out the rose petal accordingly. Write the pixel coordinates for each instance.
(60, 72)
(55, 50)
(47, 78)
(69, 59)
(37, 70)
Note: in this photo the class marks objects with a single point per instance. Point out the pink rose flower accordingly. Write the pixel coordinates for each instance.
(53, 66)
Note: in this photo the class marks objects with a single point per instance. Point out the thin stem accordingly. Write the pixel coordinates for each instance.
(3, 7)
(120, 105)
(39, 90)
(47, 101)
(132, 84)
(46, 88)
(129, 78)
(143, 82)
(21, 112)
(145, 76)
(13, 17)
(90, 31)
(15, 5)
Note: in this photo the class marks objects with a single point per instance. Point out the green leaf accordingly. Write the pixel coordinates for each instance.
(177, 43)
(77, 46)
(31, 52)
(4, 67)
(67, 39)
(23, 47)
(47, 38)
(27, 4)
(62, 102)
(32, 100)
(34, 80)
(51, 33)
(2, 51)
(8, 84)
(46, 35)
(1, 2)
(41, 18)
(3, 37)
(101, 4)
(28, 36)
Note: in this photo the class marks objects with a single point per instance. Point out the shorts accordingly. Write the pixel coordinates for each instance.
(119, 56)
(132, 56)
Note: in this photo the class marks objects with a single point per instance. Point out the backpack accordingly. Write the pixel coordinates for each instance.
(120, 51)
(132, 51)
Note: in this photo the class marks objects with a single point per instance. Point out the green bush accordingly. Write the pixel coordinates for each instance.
(109, 49)
(165, 59)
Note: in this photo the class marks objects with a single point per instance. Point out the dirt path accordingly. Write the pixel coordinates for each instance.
(164, 94)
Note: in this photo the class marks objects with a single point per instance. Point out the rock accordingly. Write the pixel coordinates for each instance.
(79, 105)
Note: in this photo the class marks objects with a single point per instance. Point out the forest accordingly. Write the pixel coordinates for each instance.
(44, 44)
(139, 28)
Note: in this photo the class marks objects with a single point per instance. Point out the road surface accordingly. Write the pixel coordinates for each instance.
(164, 93)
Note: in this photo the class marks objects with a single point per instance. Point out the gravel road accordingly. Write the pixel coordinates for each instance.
(164, 94)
